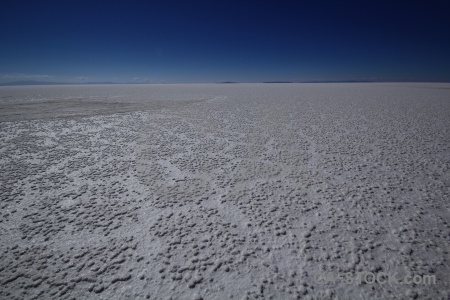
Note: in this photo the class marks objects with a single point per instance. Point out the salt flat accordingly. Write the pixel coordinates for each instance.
(229, 191)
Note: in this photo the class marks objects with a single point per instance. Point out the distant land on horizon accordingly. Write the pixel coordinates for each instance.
(34, 82)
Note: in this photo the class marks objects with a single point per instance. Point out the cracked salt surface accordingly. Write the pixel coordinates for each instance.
(219, 192)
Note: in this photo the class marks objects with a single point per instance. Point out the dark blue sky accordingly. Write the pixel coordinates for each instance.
(210, 41)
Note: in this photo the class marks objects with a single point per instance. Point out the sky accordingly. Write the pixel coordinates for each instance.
(214, 41)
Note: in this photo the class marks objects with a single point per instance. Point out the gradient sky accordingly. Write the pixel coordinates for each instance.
(210, 41)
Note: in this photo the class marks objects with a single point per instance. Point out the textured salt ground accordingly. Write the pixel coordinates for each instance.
(236, 191)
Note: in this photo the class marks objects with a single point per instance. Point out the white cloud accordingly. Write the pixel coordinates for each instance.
(24, 76)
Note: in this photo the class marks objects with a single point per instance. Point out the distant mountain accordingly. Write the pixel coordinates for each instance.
(336, 81)
(100, 82)
(34, 82)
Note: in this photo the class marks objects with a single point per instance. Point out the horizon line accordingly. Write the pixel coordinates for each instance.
(35, 82)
